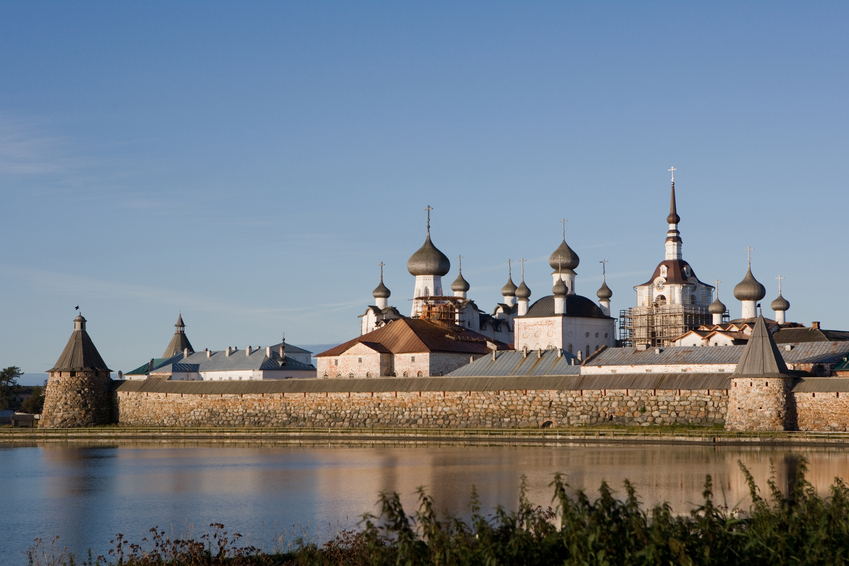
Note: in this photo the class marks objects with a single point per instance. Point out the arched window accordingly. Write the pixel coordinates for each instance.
(419, 374)
(588, 350)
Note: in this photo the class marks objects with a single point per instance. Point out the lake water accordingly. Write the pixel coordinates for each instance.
(272, 494)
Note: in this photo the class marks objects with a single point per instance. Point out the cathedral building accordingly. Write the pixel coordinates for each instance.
(673, 301)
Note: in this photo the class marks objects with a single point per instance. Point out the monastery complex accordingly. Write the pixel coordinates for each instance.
(563, 359)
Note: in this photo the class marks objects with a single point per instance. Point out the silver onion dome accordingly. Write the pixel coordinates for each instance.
(522, 291)
(563, 258)
(749, 289)
(460, 284)
(428, 260)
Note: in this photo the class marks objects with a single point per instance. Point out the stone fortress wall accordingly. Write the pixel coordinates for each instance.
(484, 402)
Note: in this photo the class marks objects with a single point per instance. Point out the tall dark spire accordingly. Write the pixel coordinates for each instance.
(761, 357)
(673, 217)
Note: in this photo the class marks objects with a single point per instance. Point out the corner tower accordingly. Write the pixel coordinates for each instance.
(79, 386)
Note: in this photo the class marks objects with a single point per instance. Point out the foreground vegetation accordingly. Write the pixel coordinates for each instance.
(798, 528)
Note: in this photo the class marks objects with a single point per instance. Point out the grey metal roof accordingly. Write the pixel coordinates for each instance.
(749, 289)
(821, 384)
(563, 258)
(800, 353)
(661, 381)
(512, 362)
(237, 360)
(761, 357)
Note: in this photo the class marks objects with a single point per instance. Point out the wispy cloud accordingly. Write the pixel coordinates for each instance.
(80, 287)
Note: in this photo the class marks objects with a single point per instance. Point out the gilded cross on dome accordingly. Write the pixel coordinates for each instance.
(749, 251)
(672, 170)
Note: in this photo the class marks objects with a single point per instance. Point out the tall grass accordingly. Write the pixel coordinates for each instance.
(800, 527)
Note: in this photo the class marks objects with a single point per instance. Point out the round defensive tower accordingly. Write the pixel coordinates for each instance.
(79, 386)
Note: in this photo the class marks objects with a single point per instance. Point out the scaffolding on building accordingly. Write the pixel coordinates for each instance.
(659, 324)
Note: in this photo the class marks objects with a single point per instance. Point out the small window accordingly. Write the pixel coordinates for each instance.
(412, 358)
(359, 360)
(336, 362)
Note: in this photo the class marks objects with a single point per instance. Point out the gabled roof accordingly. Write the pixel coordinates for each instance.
(809, 335)
(514, 362)
(761, 357)
(147, 367)
(238, 360)
(412, 335)
(80, 352)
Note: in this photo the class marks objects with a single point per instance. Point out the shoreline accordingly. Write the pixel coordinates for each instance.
(417, 436)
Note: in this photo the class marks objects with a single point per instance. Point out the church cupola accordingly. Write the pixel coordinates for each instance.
(560, 290)
(717, 308)
(780, 304)
(563, 261)
(381, 293)
(604, 293)
(673, 236)
(460, 286)
(509, 289)
(428, 265)
(523, 293)
(749, 291)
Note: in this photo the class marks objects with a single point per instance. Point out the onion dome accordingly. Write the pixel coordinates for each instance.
(560, 289)
(749, 289)
(509, 289)
(604, 293)
(780, 304)
(522, 291)
(381, 291)
(717, 307)
(563, 258)
(428, 261)
(460, 284)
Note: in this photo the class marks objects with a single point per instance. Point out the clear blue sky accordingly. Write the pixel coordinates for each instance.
(250, 164)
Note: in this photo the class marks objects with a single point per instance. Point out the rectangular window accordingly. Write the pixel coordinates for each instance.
(412, 358)
(359, 360)
(336, 362)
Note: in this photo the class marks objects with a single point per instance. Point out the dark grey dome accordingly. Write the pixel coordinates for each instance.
(509, 289)
(522, 291)
(780, 304)
(560, 289)
(749, 289)
(460, 284)
(564, 258)
(576, 306)
(604, 291)
(381, 291)
(717, 307)
(428, 261)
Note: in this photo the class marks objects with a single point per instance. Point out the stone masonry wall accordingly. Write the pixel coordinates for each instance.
(759, 404)
(431, 409)
(77, 399)
(822, 411)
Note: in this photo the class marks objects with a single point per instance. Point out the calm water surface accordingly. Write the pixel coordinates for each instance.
(273, 494)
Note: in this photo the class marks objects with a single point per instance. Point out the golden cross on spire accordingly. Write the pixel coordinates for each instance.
(749, 251)
(780, 277)
(563, 222)
(672, 170)
(716, 283)
(428, 209)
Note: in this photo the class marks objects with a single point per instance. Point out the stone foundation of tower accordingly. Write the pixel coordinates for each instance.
(760, 404)
(77, 399)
